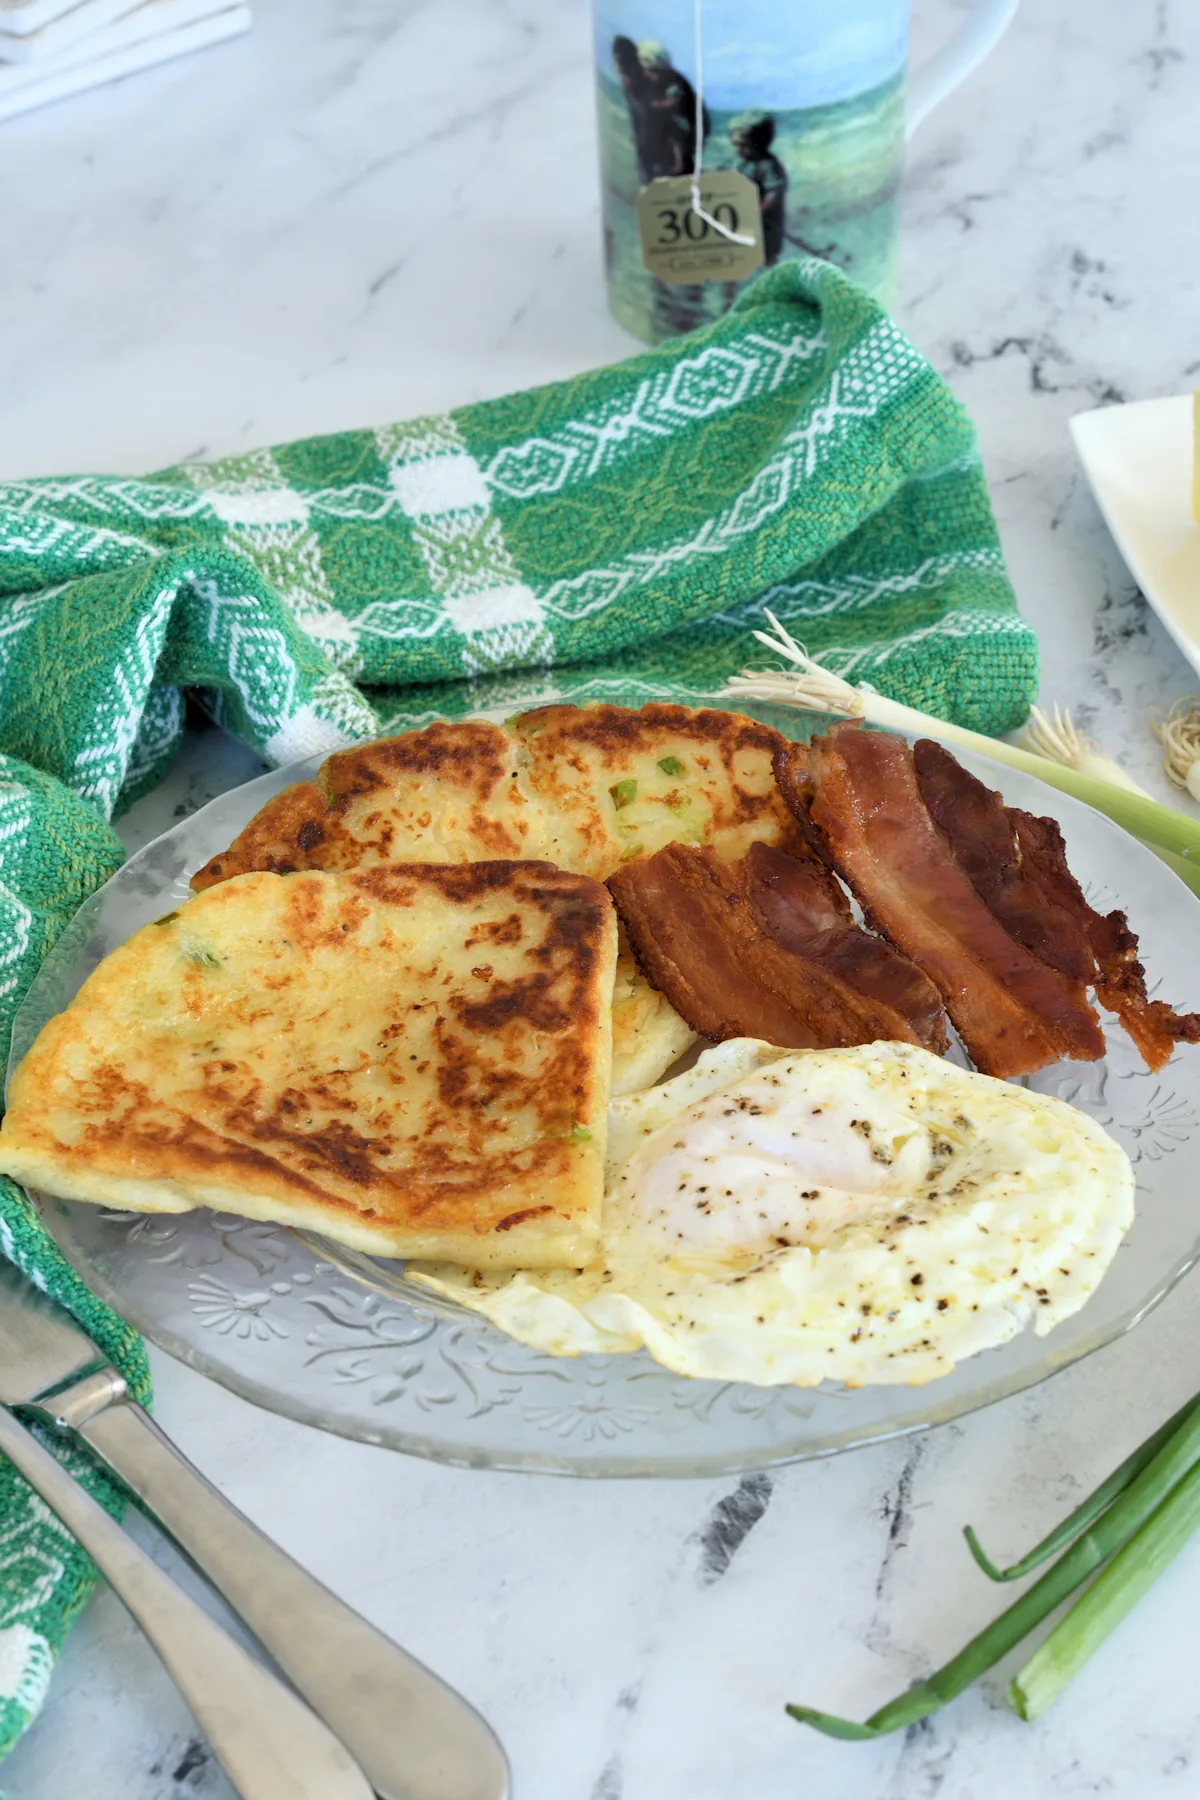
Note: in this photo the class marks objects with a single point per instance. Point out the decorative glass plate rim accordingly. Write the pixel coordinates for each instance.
(700, 1468)
(926, 1413)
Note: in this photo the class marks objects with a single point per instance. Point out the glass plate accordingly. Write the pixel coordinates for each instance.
(333, 1338)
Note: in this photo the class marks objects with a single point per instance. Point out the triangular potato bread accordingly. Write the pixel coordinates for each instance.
(585, 787)
(414, 1060)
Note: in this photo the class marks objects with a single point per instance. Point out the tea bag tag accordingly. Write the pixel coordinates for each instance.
(679, 245)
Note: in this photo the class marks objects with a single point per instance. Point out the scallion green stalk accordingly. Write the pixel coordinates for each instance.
(1102, 1539)
(1115, 1592)
(1087, 1510)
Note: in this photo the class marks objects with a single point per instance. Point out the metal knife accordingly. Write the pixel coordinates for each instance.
(412, 1735)
(267, 1741)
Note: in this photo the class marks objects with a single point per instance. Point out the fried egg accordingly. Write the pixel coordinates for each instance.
(872, 1214)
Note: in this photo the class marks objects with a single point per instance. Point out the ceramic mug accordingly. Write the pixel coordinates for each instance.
(805, 97)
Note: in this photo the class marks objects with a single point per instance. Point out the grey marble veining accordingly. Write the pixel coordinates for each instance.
(375, 208)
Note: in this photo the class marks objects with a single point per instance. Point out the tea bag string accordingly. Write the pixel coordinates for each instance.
(735, 237)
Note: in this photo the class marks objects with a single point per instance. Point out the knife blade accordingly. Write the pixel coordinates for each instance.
(41, 1347)
(414, 1737)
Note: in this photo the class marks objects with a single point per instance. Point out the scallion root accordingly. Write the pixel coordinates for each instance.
(1178, 731)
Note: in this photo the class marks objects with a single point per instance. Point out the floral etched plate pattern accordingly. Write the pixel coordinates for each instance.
(335, 1339)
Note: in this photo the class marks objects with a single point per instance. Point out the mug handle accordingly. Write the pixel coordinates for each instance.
(978, 34)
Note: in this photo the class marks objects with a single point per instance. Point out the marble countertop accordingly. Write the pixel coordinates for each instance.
(367, 210)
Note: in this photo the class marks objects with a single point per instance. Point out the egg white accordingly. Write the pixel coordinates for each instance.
(872, 1214)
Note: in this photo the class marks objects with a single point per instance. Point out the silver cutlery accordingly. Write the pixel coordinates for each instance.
(269, 1744)
(412, 1735)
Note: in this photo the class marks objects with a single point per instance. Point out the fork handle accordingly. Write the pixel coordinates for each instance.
(414, 1737)
(269, 1744)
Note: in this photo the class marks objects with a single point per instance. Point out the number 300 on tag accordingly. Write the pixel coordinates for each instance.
(678, 245)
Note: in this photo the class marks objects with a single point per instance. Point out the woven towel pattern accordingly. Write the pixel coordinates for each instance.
(617, 536)
(54, 851)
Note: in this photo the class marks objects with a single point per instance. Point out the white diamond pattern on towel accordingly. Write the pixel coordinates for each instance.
(396, 620)
(512, 646)
(255, 654)
(716, 379)
(965, 624)
(16, 810)
(488, 608)
(260, 663)
(20, 613)
(40, 534)
(872, 371)
(357, 501)
(259, 506)
(16, 920)
(289, 555)
(439, 484)
(26, 1665)
(107, 494)
(40, 1552)
(100, 767)
(159, 730)
(269, 522)
(445, 494)
(853, 593)
(465, 556)
(306, 733)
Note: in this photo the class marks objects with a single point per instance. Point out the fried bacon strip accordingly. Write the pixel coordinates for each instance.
(799, 905)
(767, 948)
(981, 833)
(1017, 864)
(1014, 1013)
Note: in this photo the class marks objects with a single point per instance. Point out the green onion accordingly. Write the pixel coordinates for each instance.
(623, 793)
(670, 765)
(1172, 835)
(579, 1134)
(1113, 1594)
(1114, 1528)
(983, 1651)
(1086, 1511)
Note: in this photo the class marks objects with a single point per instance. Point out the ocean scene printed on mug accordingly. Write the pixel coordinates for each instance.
(806, 99)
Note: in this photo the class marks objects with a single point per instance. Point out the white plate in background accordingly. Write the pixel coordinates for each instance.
(1139, 461)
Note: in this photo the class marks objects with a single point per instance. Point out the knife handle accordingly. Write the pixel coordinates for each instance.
(269, 1744)
(414, 1737)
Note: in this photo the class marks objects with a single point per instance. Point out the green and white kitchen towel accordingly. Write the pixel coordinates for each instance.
(616, 536)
